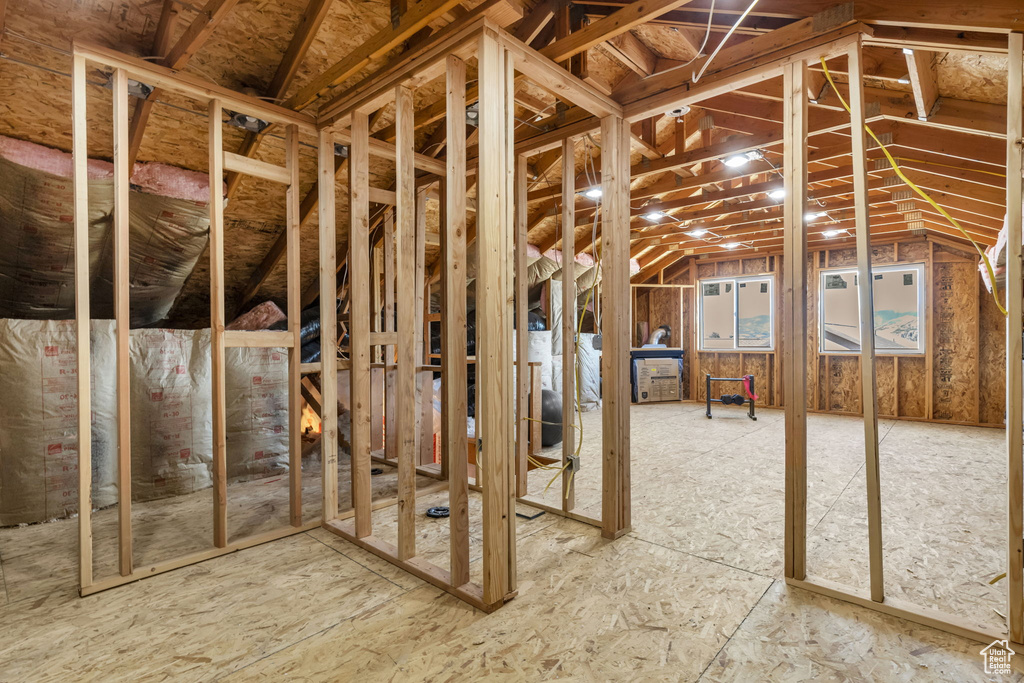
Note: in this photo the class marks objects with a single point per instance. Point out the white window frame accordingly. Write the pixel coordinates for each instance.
(922, 293)
(736, 281)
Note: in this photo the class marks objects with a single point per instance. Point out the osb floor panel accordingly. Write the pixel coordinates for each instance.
(692, 594)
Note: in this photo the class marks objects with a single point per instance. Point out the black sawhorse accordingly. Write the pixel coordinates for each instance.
(734, 399)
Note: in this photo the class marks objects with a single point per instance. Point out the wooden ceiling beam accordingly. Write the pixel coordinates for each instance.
(617, 23)
(693, 20)
(923, 81)
(376, 47)
(143, 108)
(312, 18)
(632, 53)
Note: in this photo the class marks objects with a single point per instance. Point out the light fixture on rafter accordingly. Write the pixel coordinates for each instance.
(777, 194)
(654, 216)
(737, 160)
(136, 89)
(246, 122)
(592, 193)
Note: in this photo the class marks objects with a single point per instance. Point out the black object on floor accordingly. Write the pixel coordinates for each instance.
(551, 414)
(520, 514)
(731, 399)
(439, 511)
(377, 470)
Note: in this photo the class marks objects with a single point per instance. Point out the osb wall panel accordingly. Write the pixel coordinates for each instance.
(913, 386)
(954, 295)
(963, 368)
(728, 268)
(666, 309)
(706, 270)
(885, 380)
(992, 362)
(844, 385)
(754, 266)
(641, 313)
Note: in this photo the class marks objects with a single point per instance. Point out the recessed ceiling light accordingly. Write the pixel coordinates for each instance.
(736, 160)
(731, 245)
(654, 216)
(699, 232)
(814, 215)
(830, 233)
(777, 194)
(593, 193)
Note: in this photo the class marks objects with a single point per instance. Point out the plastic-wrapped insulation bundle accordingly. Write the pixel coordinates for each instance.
(168, 232)
(39, 419)
(37, 263)
(166, 238)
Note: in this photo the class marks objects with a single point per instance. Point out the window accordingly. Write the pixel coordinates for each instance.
(736, 313)
(898, 293)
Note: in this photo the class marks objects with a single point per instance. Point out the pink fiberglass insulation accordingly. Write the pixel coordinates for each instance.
(52, 161)
(260, 317)
(169, 181)
(154, 178)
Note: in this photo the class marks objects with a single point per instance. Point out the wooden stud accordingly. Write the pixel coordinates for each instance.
(328, 325)
(122, 284)
(80, 161)
(494, 325)
(867, 320)
(217, 324)
(405, 269)
(794, 312)
(359, 320)
(522, 331)
(424, 431)
(217, 365)
(508, 204)
(615, 333)
(293, 265)
(1014, 349)
(569, 372)
(453, 325)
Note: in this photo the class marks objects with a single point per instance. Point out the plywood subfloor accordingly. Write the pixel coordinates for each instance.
(692, 594)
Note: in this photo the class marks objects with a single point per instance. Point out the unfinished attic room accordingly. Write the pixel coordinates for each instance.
(611, 340)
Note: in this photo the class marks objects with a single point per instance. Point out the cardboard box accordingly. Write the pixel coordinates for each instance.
(658, 379)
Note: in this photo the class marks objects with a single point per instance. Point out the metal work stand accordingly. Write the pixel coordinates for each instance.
(747, 399)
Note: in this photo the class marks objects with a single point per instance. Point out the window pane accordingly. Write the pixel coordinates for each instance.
(840, 314)
(897, 312)
(717, 319)
(755, 315)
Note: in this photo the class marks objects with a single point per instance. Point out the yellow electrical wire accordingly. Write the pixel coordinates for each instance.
(936, 163)
(915, 188)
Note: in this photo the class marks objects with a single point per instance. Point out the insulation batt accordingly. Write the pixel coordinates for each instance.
(260, 317)
(171, 416)
(168, 232)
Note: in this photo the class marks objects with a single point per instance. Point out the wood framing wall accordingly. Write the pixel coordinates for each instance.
(959, 379)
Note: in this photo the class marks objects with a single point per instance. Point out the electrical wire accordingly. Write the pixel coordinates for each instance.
(707, 34)
(922, 193)
(697, 76)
